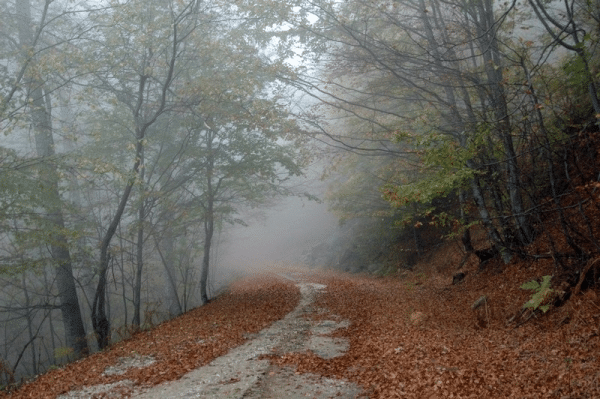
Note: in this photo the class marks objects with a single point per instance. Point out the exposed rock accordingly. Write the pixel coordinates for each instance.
(458, 278)
(404, 274)
(245, 371)
(111, 391)
(482, 312)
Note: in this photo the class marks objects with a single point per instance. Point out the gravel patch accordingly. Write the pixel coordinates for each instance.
(245, 372)
(242, 373)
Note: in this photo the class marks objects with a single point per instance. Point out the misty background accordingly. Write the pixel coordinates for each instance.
(152, 151)
(284, 234)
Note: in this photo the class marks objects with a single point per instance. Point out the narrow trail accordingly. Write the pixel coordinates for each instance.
(327, 335)
(244, 372)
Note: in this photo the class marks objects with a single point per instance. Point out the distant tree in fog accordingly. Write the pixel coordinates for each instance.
(459, 88)
(39, 108)
(574, 26)
(146, 50)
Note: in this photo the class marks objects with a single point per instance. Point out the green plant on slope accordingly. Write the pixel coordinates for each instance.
(541, 291)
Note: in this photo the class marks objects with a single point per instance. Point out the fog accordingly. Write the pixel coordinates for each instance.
(132, 129)
(280, 236)
(283, 236)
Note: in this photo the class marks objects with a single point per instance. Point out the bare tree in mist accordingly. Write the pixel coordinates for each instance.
(118, 99)
(145, 93)
(567, 28)
(242, 163)
(40, 111)
(437, 86)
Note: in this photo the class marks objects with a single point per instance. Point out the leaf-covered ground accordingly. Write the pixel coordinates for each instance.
(412, 335)
(179, 345)
(449, 350)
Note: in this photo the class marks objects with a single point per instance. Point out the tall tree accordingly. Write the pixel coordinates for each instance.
(150, 49)
(40, 111)
(240, 164)
(432, 72)
(567, 29)
(168, 61)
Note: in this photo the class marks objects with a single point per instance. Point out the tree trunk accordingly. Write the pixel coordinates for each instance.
(487, 36)
(50, 320)
(144, 119)
(208, 233)
(42, 124)
(100, 321)
(137, 287)
(487, 220)
(208, 230)
(29, 318)
(209, 222)
(466, 237)
(167, 256)
(123, 285)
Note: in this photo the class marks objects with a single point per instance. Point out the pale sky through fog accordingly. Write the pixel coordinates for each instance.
(283, 235)
(288, 231)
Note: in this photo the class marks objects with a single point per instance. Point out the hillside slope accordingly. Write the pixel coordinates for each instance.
(412, 335)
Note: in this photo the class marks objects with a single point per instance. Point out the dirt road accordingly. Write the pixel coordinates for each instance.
(413, 336)
(246, 372)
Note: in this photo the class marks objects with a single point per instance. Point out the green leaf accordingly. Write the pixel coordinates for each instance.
(531, 285)
(541, 294)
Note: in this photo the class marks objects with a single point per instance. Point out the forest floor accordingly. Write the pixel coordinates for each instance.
(299, 333)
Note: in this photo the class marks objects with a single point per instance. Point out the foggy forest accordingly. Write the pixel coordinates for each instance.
(153, 151)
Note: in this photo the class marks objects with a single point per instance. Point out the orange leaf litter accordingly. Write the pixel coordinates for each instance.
(451, 352)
